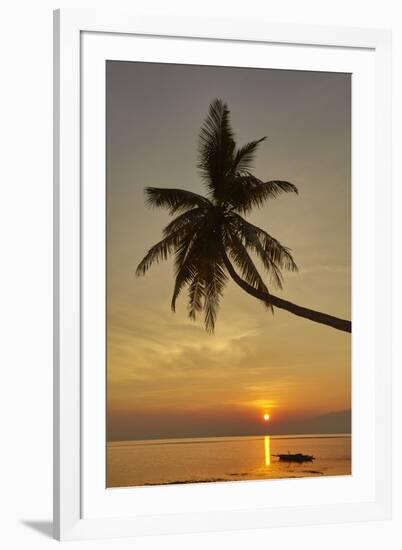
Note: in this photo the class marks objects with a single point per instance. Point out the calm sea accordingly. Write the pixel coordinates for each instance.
(162, 461)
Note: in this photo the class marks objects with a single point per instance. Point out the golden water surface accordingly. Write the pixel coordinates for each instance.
(156, 462)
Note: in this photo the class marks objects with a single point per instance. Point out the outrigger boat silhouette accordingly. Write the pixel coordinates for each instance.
(298, 457)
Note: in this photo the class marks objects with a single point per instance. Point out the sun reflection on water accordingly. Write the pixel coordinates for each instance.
(267, 449)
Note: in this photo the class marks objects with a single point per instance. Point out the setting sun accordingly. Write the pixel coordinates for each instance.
(266, 417)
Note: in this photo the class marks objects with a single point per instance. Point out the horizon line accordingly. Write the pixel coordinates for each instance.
(233, 437)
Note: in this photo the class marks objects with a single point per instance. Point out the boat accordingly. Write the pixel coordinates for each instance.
(298, 457)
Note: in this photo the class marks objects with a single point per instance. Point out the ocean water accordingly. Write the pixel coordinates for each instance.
(167, 461)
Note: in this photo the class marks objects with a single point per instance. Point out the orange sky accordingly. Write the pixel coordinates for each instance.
(166, 376)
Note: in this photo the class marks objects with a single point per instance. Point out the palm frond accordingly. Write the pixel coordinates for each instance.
(245, 192)
(199, 267)
(189, 218)
(215, 282)
(159, 252)
(244, 156)
(184, 276)
(240, 256)
(216, 146)
(175, 200)
(272, 253)
(196, 294)
(185, 264)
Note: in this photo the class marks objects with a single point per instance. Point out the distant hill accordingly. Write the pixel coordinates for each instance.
(335, 422)
(332, 422)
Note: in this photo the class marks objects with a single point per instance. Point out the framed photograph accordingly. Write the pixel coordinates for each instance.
(222, 275)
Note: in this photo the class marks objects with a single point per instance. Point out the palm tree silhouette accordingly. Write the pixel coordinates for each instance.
(210, 235)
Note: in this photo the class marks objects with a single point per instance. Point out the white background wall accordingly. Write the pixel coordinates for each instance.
(26, 271)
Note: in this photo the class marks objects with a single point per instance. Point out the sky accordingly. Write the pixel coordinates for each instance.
(166, 376)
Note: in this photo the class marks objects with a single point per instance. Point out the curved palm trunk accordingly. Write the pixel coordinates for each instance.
(316, 316)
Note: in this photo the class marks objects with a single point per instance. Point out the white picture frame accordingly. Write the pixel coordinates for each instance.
(83, 507)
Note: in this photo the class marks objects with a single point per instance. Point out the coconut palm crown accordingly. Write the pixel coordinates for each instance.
(209, 236)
